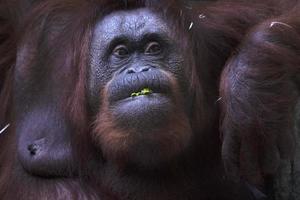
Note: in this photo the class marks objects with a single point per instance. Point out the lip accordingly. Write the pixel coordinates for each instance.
(143, 97)
(122, 89)
(143, 113)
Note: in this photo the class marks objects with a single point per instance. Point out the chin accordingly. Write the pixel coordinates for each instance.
(147, 130)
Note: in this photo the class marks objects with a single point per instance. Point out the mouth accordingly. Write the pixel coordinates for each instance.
(136, 87)
(145, 91)
(141, 101)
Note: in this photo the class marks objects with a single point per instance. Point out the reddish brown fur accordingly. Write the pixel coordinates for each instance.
(117, 143)
(263, 76)
(212, 42)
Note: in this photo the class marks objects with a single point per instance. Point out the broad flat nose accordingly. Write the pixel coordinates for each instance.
(133, 70)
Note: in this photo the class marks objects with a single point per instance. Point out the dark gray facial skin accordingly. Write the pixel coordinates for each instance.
(129, 28)
(132, 50)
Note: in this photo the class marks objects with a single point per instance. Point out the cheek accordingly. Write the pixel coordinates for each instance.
(98, 76)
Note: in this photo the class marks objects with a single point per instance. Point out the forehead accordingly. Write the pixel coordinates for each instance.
(134, 23)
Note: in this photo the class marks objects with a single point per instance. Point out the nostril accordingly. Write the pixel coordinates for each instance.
(145, 69)
(130, 71)
(133, 70)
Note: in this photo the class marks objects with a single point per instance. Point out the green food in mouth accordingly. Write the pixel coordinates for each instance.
(144, 91)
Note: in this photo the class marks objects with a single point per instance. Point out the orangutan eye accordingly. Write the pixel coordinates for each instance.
(121, 51)
(153, 48)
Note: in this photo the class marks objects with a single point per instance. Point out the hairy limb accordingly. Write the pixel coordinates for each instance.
(259, 93)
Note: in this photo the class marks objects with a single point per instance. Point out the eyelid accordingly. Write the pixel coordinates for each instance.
(151, 44)
(118, 48)
(120, 40)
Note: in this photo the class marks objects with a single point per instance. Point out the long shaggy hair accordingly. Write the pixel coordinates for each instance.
(51, 38)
